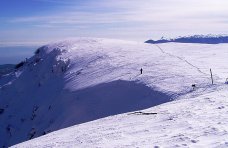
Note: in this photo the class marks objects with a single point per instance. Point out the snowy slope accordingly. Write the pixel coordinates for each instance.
(193, 121)
(203, 56)
(76, 81)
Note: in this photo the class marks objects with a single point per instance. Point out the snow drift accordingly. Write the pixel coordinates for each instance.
(198, 119)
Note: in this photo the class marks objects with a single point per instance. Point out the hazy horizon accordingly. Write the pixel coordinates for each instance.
(47, 20)
(15, 54)
(36, 22)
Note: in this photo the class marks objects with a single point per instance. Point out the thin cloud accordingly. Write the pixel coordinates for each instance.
(131, 19)
(61, 2)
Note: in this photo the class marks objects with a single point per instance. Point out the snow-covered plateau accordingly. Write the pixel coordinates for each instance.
(89, 92)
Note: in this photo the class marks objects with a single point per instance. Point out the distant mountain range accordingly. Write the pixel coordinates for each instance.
(204, 39)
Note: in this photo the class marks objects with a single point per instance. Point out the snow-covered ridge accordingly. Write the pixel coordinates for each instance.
(75, 81)
(204, 39)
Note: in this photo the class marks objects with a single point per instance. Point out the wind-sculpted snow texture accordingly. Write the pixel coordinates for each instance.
(198, 119)
(81, 80)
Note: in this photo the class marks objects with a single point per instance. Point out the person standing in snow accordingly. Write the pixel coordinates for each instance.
(141, 70)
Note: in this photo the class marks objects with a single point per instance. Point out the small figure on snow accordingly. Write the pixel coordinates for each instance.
(193, 86)
(141, 70)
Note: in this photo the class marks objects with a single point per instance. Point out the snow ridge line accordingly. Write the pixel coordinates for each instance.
(198, 69)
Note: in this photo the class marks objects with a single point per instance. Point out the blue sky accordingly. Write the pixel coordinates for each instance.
(41, 21)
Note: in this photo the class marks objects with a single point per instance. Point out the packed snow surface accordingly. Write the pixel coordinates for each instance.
(192, 121)
(75, 81)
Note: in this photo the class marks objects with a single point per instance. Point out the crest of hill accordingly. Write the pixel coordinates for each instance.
(79, 80)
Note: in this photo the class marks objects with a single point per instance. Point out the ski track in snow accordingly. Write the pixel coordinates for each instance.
(182, 59)
(203, 56)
